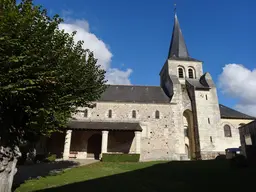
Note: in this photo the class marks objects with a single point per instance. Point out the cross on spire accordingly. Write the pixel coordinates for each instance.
(175, 8)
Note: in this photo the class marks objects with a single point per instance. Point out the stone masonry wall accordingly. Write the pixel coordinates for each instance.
(211, 126)
(162, 139)
(208, 114)
(229, 142)
(197, 66)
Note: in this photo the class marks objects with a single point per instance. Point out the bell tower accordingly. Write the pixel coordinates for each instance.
(179, 65)
(183, 81)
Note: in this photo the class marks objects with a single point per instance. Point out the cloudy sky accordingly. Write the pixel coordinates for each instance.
(101, 50)
(131, 39)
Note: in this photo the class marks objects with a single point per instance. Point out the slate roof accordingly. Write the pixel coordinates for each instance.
(183, 58)
(229, 113)
(178, 49)
(196, 83)
(135, 94)
(155, 94)
(121, 126)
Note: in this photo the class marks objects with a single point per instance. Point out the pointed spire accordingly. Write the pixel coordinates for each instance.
(178, 48)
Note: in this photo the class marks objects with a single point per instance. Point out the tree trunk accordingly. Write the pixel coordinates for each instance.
(8, 161)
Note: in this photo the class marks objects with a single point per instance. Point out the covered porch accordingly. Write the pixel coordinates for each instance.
(89, 140)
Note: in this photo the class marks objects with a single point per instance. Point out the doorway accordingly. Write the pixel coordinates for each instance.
(94, 146)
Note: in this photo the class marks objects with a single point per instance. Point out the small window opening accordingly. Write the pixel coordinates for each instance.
(110, 114)
(186, 132)
(190, 73)
(181, 72)
(133, 114)
(157, 115)
(86, 113)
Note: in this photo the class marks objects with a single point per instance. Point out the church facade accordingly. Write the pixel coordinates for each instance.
(180, 119)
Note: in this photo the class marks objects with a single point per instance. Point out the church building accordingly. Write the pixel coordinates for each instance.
(180, 119)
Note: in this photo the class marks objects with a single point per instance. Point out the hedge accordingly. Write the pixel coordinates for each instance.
(51, 158)
(45, 158)
(106, 157)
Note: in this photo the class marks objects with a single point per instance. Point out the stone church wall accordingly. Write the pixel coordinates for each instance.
(197, 66)
(208, 115)
(162, 139)
(234, 140)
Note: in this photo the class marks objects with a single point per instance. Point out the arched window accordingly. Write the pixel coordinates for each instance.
(157, 114)
(227, 131)
(181, 72)
(110, 114)
(191, 73)
(134, 114)
(86, 113)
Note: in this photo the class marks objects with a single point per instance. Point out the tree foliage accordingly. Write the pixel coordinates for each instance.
(44, 75)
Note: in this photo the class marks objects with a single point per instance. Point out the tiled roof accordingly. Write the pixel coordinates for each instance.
(196, 83)
(229, 113)
(134, 94)
(155, 94)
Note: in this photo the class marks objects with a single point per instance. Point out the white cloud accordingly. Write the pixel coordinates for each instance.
(239, 82)
(100, 49)
(116, 76)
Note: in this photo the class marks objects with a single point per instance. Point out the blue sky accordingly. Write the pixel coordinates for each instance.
(138, 34)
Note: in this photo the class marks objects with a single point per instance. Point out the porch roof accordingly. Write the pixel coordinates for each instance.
(122, 126)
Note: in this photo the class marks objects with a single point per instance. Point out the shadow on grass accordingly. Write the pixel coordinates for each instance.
(26, 172)
(179, 176)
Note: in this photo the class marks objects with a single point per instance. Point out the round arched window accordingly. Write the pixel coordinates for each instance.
(191, 73)
(227, 131)
(180, 72)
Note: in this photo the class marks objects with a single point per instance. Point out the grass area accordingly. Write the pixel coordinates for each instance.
(147, 177)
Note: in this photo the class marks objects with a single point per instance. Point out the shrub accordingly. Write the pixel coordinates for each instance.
(50, 158)
(45, 158)
(120, 157)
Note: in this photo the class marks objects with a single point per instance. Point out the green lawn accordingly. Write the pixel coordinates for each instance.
(147, 177)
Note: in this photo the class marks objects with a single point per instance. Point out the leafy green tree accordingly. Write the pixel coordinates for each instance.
(44, 77)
